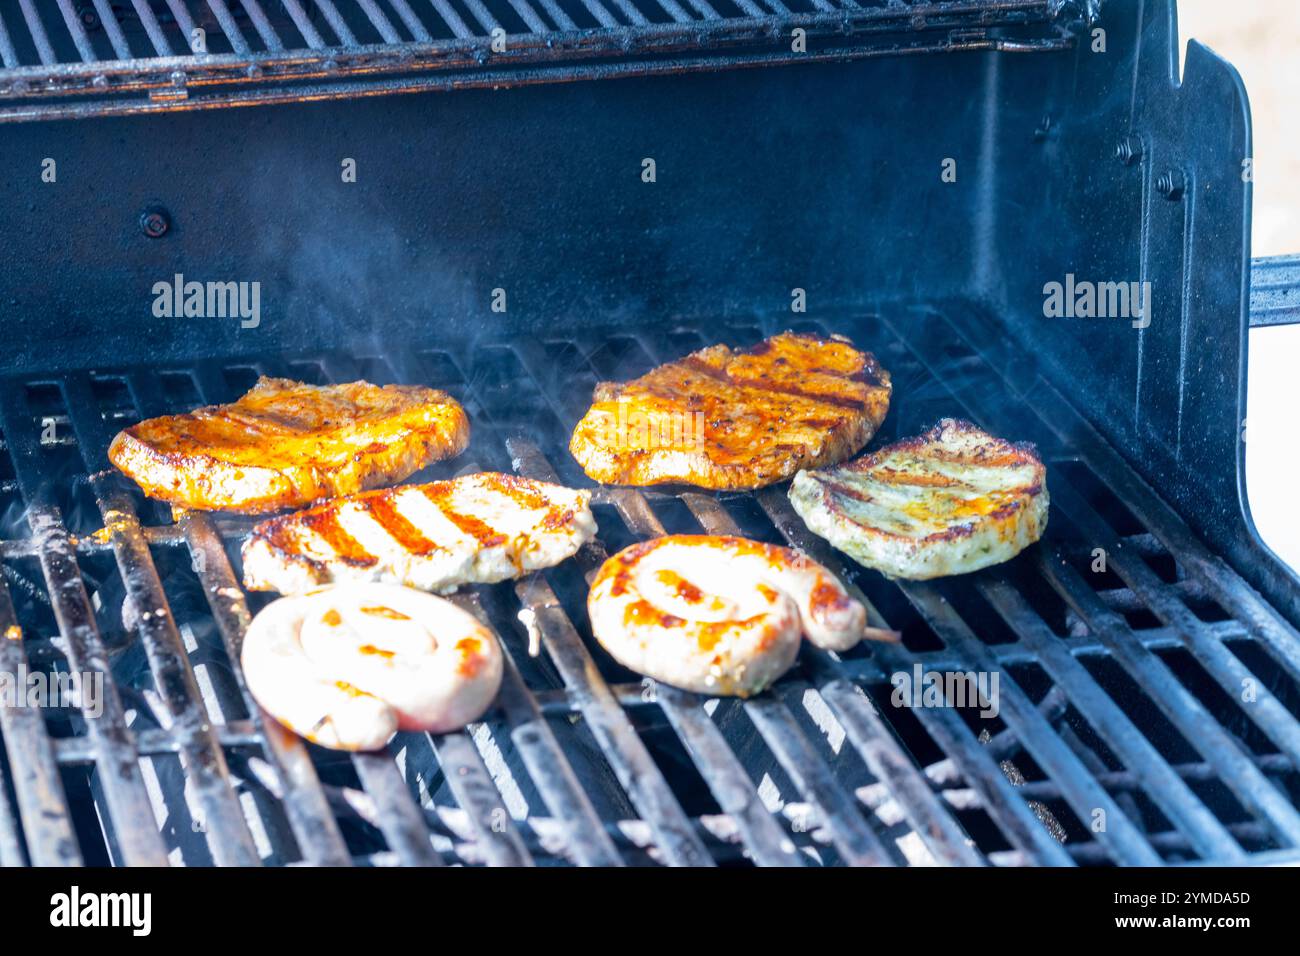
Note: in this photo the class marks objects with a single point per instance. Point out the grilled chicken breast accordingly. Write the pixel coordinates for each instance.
(720, 418)
(479, 528)
(285, 444)
(717, 614)
(347, 667)
(953, 500)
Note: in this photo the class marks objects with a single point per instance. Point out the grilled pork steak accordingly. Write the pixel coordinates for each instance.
(719, 418)
(284, 444)
(953, 500)
(479, 528)
(717, 614)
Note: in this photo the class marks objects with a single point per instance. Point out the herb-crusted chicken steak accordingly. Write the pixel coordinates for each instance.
(953, 500)
(284, 444)
(720, 418)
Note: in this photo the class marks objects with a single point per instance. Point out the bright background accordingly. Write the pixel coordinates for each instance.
(1261, 38)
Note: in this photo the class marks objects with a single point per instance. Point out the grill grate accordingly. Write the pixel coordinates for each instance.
(1148, 713)
(69, 59)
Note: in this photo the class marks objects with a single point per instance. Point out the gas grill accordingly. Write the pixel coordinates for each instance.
(517, 238)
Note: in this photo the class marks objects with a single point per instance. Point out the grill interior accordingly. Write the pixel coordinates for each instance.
(68, 58)
(1148, 712)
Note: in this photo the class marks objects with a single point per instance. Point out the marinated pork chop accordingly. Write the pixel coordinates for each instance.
(717, 614)
(479, 528)
(347, 667)
(953, 500)
(284, 444)
(720, 418)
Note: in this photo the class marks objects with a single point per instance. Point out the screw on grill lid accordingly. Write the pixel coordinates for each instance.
(155, 222)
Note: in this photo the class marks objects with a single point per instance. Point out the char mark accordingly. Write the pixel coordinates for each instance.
(324, 522)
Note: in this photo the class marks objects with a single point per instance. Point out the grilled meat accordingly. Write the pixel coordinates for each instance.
(720, 418)
(479, 528)
(717, 614)
(347, 667)
(953, 500)
(285, 444)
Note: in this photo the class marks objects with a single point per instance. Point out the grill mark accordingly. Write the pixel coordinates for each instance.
(376, 610)
(827, 597)
(325, 524)
(439, 494)
(557, 520)
(725, 378)
(685, 590)
(383, 508)
(279, 534)
(708, 634)
(516, 490)
(642, 613)
(845, 491)
(923, 479)
(471, 656)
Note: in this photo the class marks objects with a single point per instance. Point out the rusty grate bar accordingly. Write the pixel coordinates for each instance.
(134, 830)
(1204, 831)
(380, 21)
(309, 814)
(33, 766)
(181, 12)
(1223, 754)
(144, 10)
(413, 22)
(229, 27)
(452, 18)
(270, 39)
(8, 55)
(231, 841)
(108, 19)
(78, 32)
(36, 28)
(304, 24)
(346, 37)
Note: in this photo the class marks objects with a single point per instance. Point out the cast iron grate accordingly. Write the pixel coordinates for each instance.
(1148, 713)
(65, 58)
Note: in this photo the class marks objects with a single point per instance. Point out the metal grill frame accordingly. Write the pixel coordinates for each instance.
(433, 46)
(978, 774)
